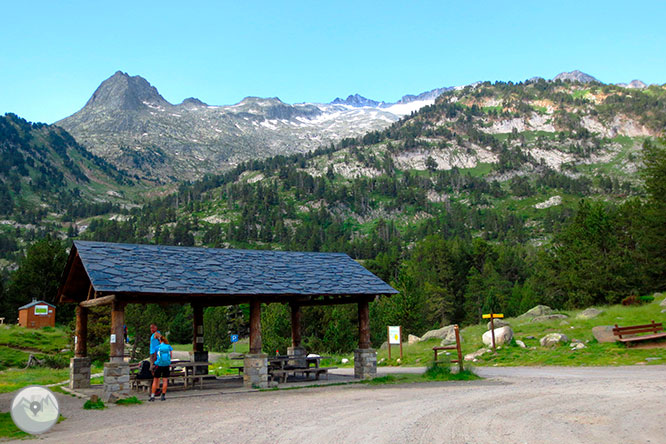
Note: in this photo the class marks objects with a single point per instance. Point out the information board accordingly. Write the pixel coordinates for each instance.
(394, 334)
(41, 310)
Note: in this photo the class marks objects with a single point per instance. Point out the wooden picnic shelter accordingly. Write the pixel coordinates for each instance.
(101, 273)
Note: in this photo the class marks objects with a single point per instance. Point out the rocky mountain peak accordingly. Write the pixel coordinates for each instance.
(634, 84)
(355, 100)
(575, 76)
(193, 102)
(124, 92)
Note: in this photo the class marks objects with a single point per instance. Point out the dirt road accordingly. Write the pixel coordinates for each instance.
(512, 405)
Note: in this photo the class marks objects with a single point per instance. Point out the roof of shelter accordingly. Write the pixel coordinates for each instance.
(155, 269)
(33, 303)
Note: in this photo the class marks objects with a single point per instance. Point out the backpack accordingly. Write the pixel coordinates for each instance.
(163, 356)
(144, 371)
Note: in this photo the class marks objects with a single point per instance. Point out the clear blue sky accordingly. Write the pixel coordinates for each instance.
(55, 53)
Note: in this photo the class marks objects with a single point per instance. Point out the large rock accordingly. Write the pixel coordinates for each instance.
(476, 354)
(446, 333)
(604, 333)
(539, 310)
(497, 323)
(657, 296)
(553, 339)
(589, 313)
(503, 335)
(412, 339)
(549, 317)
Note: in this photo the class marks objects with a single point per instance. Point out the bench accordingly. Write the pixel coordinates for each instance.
(240, 369)
(284, 373)
(630, 332)
(456, 347)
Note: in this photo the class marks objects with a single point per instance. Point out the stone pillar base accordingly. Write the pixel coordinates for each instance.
(199, 357)
(255, 371)
(79, 373)
(365, 363)
(299, 354)
(116, 381)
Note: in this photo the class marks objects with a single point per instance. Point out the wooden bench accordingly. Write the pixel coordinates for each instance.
(240, 369)
(456, 347)
(284, 373)
(630, 332)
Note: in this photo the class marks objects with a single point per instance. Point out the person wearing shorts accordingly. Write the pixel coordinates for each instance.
(162, 364)
(154, 343)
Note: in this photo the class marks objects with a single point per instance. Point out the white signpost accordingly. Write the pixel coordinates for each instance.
(394, 337)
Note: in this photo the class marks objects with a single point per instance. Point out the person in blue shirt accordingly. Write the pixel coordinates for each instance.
(154, 343)
(162, 364)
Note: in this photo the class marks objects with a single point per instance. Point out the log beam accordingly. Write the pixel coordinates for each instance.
(117, 341)
(198, 328)
(104, 300)
(363, 325)
(255, 327)
(81, 338)
(295, 325)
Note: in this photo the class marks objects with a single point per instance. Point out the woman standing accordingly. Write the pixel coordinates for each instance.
(162, 363)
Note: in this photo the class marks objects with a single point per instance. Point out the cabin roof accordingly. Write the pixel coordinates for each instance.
(156, 269)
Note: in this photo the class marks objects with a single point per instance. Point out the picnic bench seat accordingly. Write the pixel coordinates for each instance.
(630, 332)
(286, 372)
(240, 369)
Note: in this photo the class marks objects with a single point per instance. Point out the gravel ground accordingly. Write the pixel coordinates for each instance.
(512, 405)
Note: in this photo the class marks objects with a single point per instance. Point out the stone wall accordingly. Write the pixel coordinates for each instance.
(365, 363)
(79, 373)
(299, 354)
(255, 371)
(116, 381)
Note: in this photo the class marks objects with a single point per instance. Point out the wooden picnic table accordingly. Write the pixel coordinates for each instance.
(279, 367)
(190, 372)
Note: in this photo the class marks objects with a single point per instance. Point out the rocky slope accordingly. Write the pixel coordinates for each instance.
(129, 123)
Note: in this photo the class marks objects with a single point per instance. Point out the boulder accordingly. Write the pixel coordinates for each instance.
(447, 333)
(604, 333)
(476, 354)
(520, 343)
(412, 339)
(548, 317)
(539, 310)
(577, 346)
(658, 295)
(344, 360)
(552, 339)
(384, 346)
(589, 313)
(503, 335)
(498, 323)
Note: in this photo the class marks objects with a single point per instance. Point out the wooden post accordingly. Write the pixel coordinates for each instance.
(81, 338)
(492, 329)
(255, 327)
(458, 348)
(295, 325)
(388, 339)
(197, 328)
(363, 325)
(117, 331)
(400, 330)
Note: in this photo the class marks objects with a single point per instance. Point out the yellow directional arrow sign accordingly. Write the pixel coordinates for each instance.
(493, 316)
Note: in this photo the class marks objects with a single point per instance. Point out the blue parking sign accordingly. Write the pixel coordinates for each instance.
(234, 338)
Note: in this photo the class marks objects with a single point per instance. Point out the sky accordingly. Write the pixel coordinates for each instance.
(54, 54)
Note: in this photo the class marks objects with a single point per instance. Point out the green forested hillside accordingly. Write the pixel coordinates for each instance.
(497, 197)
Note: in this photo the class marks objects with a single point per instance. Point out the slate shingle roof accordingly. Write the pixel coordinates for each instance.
(188, 270)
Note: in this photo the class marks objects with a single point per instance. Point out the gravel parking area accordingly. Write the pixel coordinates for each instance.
(512, 405)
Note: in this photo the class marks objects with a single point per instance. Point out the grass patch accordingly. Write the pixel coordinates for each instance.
(433, 373)
(45, 340)
(129, 401)
(97, 405)
(8, 429)
(14, 379)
